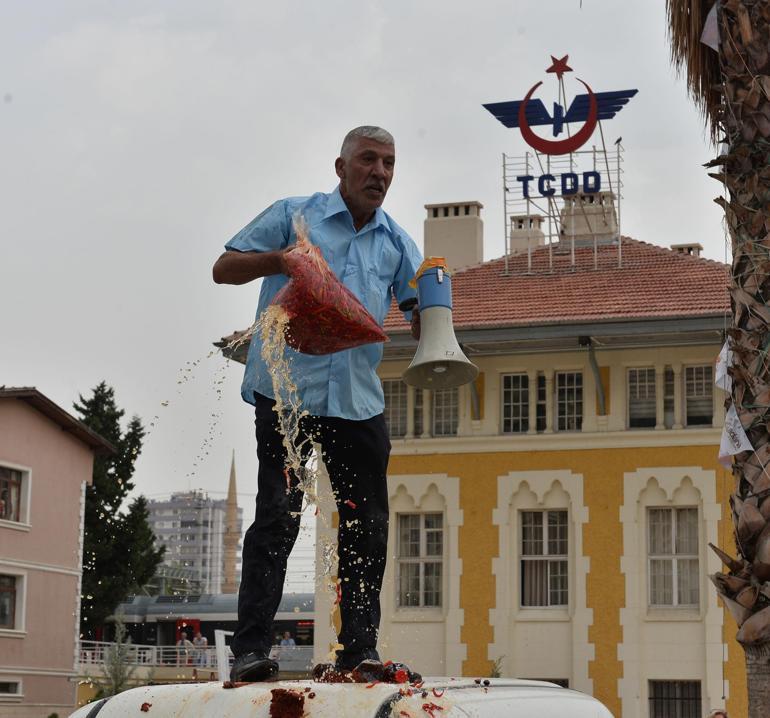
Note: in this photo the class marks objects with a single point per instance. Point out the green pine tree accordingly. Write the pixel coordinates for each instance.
(119, 554)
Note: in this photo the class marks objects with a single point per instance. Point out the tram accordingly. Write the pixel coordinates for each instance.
(160, 620)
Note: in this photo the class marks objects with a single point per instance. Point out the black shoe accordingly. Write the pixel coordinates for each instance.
(253, 667)
(368, 671)
(347, 662)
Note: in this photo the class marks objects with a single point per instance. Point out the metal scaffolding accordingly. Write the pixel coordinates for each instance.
(523, 200)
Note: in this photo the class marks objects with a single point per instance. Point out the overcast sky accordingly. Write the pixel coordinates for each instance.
(136, 138)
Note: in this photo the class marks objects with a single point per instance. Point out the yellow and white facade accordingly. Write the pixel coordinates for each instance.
(626, 478)
(607, 640)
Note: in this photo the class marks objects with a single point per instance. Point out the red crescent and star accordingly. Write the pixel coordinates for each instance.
(570, 144)
(559, 66)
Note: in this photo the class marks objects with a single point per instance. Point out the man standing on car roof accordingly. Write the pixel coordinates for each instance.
(374, 258)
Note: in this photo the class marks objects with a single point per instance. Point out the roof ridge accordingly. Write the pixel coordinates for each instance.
(659, 249)
(651, 281)
(667, 249)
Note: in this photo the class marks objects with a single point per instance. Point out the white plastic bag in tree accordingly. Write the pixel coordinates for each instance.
(734, 439)
(724, 361)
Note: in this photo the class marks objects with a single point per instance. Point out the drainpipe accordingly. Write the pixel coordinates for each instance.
(475, 401)
(586, 342)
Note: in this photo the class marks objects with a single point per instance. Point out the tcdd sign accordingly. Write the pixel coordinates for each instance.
(570, 183)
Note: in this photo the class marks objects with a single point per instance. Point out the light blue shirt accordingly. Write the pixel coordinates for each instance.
(375, 263)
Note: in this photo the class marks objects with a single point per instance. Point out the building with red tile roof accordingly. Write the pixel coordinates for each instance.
(639, 281)
(551, 519)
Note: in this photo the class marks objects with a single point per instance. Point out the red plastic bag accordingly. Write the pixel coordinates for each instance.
(324, 315)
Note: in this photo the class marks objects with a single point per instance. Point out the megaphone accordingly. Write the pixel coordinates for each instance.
(439, 362)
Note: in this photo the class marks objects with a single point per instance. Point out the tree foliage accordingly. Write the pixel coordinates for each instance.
(119, 554)
(118, 665)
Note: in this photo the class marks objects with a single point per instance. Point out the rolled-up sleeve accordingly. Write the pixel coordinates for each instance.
(268, 231)
(411, 259)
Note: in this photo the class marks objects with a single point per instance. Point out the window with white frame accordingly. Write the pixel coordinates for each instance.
(569, 401)
(675, 699)
(541, 402)
(418, 426)
(698, 393)
(10, 688)
(672, 547)
(446, 406)
(420, 559)
(544, 558)
(395, 392)
(641, 398)
(11, 494)
(9, 590)
(515, 403)
(668, 398)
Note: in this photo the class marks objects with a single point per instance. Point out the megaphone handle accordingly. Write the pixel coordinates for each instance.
(408, 304)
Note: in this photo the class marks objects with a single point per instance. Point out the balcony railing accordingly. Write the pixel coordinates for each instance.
(94, 654)
(99, 652)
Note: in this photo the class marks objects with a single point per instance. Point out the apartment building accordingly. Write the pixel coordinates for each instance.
(46, 461)
(202, 537)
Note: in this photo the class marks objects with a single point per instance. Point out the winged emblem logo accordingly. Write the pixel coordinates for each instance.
(589, 108)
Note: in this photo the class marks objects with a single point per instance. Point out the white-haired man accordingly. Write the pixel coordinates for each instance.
(375, 259)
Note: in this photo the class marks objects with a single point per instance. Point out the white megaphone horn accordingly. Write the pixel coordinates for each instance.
(439, 362)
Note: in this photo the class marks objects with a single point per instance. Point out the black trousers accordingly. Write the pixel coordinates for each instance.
(356, 457)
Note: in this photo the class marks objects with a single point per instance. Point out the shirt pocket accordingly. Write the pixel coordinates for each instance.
(377, 294)
(380, 276)
(368, 288)
(371, 276)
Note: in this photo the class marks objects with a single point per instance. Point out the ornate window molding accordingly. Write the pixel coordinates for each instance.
(540, 490)
(667, 487)
(428, 493)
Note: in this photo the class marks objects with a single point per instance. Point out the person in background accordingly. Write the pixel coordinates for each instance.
(341, 393)
(287, 640)
(718, 713)
(183, 649)
(200, 643)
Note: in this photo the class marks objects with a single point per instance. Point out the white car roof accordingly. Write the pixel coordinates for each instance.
(436, 698)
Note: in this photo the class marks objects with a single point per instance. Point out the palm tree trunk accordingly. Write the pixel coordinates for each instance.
(733, 89)
(745, 117)
(758, 678)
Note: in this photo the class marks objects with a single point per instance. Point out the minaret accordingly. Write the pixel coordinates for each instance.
(231, 534)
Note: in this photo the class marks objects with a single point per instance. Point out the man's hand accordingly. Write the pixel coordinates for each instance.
(282, 260)
(234, 267)
(416, 324)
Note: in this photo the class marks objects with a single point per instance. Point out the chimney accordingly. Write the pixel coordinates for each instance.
(587, 217)
(455, 231)
(692, 248)
(526, 233)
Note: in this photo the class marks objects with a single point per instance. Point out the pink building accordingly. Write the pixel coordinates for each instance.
(46, 460)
